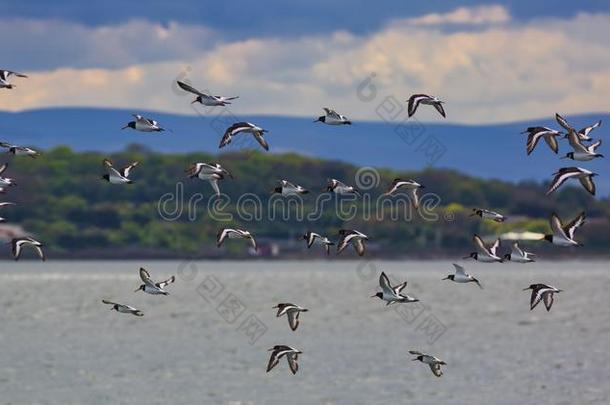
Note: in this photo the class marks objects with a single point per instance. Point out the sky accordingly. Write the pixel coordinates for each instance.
(490, 62)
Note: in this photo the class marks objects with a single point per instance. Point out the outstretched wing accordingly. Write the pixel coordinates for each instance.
(384, 283)
(571, 227)
(332, 113)
(436, 369)
(588, 184)
(190, 88)
(273, 360)
(261, 140)
(563, 122)
(440, 109)
(293, 319)
(459, 269)
(145, 276)
(414, 101)
(109, 302)
(127, 169)
(165, 283)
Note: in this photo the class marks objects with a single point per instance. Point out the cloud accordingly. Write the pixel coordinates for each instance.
(496, 73)
(494, 14)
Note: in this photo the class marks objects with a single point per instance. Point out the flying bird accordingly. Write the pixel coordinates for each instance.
(333, 118)
(487, 214)
(118, 177)
(542, 292)
(434, 362)
(536, 133)
(124, 309)
(234, 234)
(337, 187)
(564, 235)
(519, 255)
(19, 243)
(144, 124)
(416, 99)
(150, 287)
(20, 150)
(279, 351)
(314, 238)
(5, 181)
(356, 238)
(4, 75)
(291, 311)
(461, 276)
(244, 128)
(411, 186)
(484, 253)
(392, 294)
(208, 172)
(287, 188)
(204, 98)
(4, 204)
(583, 175)
(582, 152)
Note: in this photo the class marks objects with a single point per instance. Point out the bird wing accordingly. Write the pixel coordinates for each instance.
(16, 245)
(560, 177)
(384, 283)
(494, 248)
(591, 148)
(293, 318)
(548, 299)
(40, 253)
(436, 369)
(292, 362)
(414, 101)
(261, 140)
(145, 276)
(190, 88)
(3, 168)
(571, 227)
(222, 235)
(556, 226)
(414, 197)
(110, 302)
(532, 141)
(398, 288)
(359, 246)
(575, 142)
(552, 142)
(440, 109)
(517, 249)
(253, 243)
(416, 353)
(563, 122)
(214, 183)
(273, 360)
(537, 294)
(588, 184)
(165, 283)
(332, 113)
(343, 242)
(585, 131)
(194, 169)
(479, 245)
(459, 269)
(127, 169)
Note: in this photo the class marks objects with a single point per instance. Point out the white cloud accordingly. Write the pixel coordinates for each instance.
(494, 14)
(499, 72)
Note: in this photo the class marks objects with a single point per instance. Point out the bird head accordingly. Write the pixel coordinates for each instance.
(131, 124)
(140, 288)
(321, 119)
(378, 295)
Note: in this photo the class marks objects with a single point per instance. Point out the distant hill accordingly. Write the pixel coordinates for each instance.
(488, 151)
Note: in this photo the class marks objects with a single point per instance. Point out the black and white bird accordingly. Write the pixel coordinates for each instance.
(416, 99)
(115, 176)
(291, 311)
(583, 133)
(4, 75)
(411, 187)
(582, 152)
(287, 188)
(205, 98)
(150, 287)
(291, 354)
(487, 214)
(536, 133)
(333, 118)
(211, 172)
(392, 294)
(5, 181)
(244, 128)
(563, 235)
(519, 255)
(18, 150)
(542, 292)
(19, 243)
(337, 187)
(124, 309)
(4, 204)
(317, 239)
(583, 175)
(144, 124)
(356, 238)
(485, 254)
(434, 362)
(461, 276)
(234, 234)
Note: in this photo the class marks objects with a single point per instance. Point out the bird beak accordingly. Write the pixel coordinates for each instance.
(194, 101)
(126, 126)
(373, 296)
(446, 278)
(525, 289)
